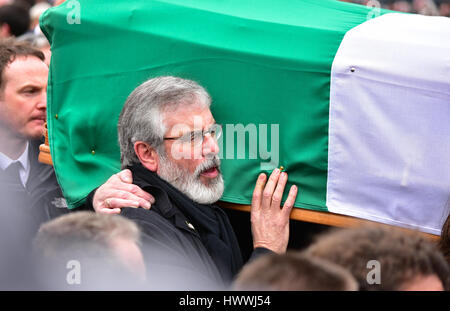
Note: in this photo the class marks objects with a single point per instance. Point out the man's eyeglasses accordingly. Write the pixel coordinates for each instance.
(197, 137)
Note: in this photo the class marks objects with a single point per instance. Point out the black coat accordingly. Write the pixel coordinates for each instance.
(194, 243)
(23, 211)
(42, 198)
(173, 249)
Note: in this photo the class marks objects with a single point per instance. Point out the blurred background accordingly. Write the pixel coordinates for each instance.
(21, 17)
(424, 7)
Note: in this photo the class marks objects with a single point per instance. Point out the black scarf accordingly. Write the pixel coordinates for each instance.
(210, 221)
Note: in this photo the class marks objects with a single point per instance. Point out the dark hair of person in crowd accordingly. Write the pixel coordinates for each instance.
(26, 4)
(10, 49)
(105, 246)
(407, 260)
(294, 271)
(16, 17)
(444, 242)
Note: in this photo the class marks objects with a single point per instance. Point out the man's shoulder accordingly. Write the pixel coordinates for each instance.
(150, 221)
(35, 143)
(40, 173)
(33, 150)
(158, 227)
(158, 232)
(141, 214)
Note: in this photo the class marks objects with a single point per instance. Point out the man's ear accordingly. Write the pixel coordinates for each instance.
(147, 155)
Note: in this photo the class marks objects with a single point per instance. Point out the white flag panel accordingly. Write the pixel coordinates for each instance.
(389, 134)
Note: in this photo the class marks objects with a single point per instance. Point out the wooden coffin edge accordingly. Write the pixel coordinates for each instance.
(44, 150)
(323, 218)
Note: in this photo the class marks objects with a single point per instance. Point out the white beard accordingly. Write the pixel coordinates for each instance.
(190, 184)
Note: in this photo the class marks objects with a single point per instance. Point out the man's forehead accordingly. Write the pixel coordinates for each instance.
(26, 70)
(193, 116)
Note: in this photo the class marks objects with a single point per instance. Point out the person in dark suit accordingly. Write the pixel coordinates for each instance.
(23, 83)
(23, 102)
(29, 191)
(168, 140)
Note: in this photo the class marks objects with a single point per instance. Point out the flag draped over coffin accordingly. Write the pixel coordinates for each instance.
(354, 102)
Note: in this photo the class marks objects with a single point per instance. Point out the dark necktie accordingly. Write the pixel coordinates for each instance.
(12, 174)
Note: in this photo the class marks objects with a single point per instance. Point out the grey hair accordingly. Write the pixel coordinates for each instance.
(142, 116)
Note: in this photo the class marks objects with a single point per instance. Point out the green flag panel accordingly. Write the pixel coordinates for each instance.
(265, 63)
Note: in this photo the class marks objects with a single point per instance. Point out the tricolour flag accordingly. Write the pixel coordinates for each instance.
(353, 101)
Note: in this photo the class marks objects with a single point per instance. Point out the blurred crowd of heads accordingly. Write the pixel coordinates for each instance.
(338, 260)
(423, 7)
(20, 19)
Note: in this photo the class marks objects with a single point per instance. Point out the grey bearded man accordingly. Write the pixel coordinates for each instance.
(168, 139)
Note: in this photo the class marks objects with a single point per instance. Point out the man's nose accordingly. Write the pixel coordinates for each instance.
(42, 100)
(210, 145)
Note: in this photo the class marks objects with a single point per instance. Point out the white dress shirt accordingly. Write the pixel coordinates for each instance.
(24, 167)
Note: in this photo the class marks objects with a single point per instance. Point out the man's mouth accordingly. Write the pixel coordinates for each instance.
(39, 122)
(212, 172)
(39, 118)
